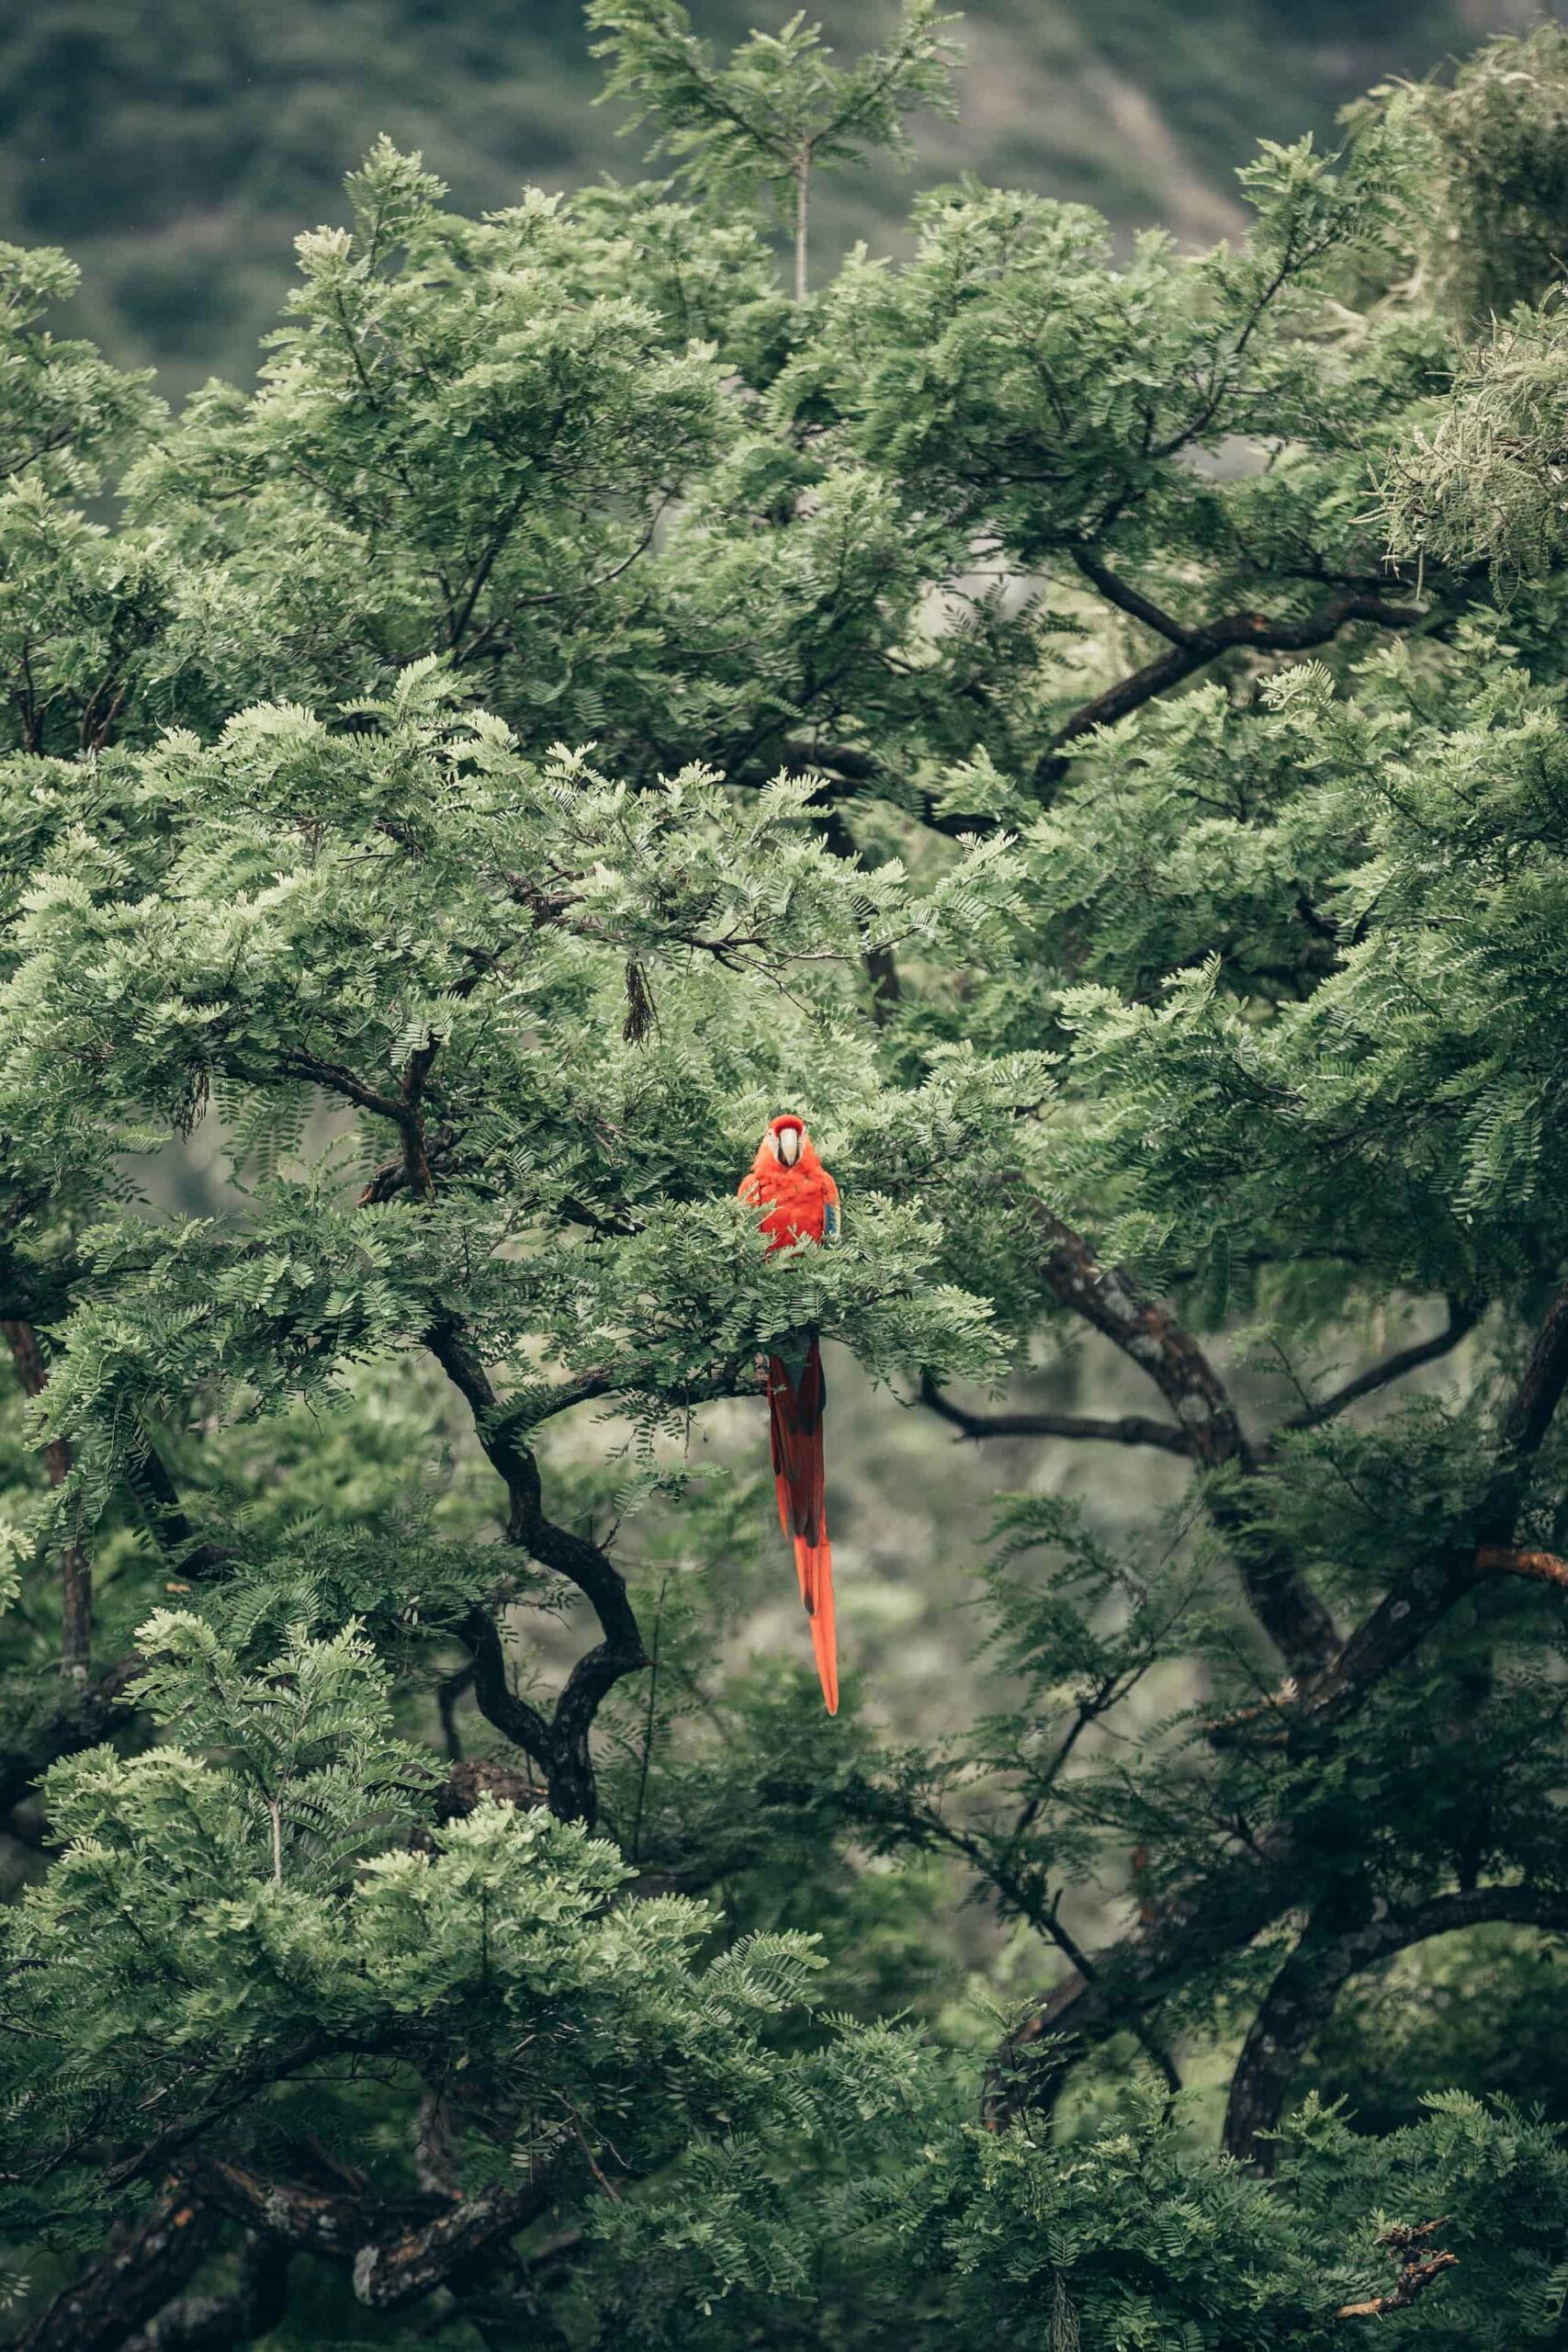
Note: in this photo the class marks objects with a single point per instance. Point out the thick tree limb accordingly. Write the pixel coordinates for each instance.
(1181, 1938)
(1130, 1428)
(331, 2224)
(152, 1483)
(1413, 1607)
(130, 2283)
(397, 2248)
(214, 2323)
(1190, 648)
(1491, 1559)
(388, 2277)
(1424, 1596)
(1114, 1303)
(497, 1702)
(1300, 1999)
(1199, 1926)
(468, 1783)
(1544, 1567)
(1130, 600)
(559, 1743)
(333, 1079)
(1302, 1996)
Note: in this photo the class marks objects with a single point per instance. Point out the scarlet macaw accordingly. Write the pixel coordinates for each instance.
(789, 1182)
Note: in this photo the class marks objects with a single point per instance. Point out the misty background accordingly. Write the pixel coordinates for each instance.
(175, 148)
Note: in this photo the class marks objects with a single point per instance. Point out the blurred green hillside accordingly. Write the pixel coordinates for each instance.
(175, 148)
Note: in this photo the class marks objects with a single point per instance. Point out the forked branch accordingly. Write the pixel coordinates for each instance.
(1417, 2268)
(558, 1743)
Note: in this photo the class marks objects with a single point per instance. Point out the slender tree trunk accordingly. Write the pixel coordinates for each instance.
(802, 217)
(76, 1573)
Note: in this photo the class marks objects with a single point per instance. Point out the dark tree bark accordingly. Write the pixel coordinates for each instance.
(1181, 1938)
(1192, 649)
(216, 2323)
(560, 1746)
(1302, 1996)
(395, 2249)
(130, 2284)
(1145, 1332)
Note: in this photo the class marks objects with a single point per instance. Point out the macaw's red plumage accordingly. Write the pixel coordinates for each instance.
(800, 1202)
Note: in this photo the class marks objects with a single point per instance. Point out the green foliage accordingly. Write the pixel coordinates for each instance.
(258, 1912)
(777, 107)
(1488, 150)
(1085, 731)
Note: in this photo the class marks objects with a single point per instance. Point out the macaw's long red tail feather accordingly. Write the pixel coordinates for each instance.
(797, 1394)
(814, 1565)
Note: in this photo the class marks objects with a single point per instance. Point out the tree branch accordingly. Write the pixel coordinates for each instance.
(1461, 1320)
(1423, 1596)
(1181, 1936)
(1128, 599)
(1491, 1559)
(1417, 2270)
(854, 768)
(493, 1695)
(1545, 1567)
(1131, 1429)
(1197, 1927)
(150, 1482)
(562, 1746)
(397, 2248)
(214, 2323)
(1195, 648)
(1303, 1994)
(335, 1080)
(385, 2278)
(334, 2224)
(129, 2284)
(1108, 1298)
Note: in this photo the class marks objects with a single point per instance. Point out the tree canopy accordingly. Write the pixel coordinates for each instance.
(1086, 730)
